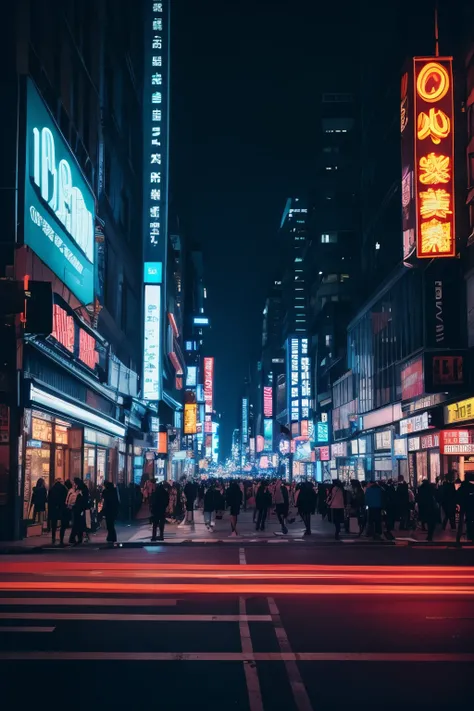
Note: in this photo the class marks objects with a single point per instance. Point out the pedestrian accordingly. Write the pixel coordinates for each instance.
(427, 507)
(209, 506)
(263, 501)
(57, 510)
(159, 504)
(357, 504)
(465, 497)
(75, 501)
(306, 504)
(281, 501)
(234, 501)
(190, 492)
(402, 503)
(447, 496)
(389, 506)
(373, 501)
(336, 503)
(110, 510)
(38, 500)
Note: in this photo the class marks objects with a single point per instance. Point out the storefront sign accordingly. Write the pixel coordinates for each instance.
(384, 416)
(323, 454)
(383, 440)
(76, 340)
(411, 376)
(456, 442)
(299, 390)
(418, 423)
(444, 372)
(190, 418)
(400, 447)
(59, 207)
(191, 376)
(413, 444)
(152, 344)
(208, 384)
(429, 441)
(268, 434)
(322, 431)
(339, 449)
(459, 411)
(424, 403)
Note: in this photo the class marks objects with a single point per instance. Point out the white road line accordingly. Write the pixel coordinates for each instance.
(250, 668)
(300, 694)
(87, 601)
(395, 657)
(105, 617)
(242, 558)
(27, 629)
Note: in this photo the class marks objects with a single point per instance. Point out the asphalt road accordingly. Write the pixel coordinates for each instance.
(256, 628)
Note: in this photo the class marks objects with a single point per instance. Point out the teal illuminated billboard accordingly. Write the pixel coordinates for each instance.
(59, 205)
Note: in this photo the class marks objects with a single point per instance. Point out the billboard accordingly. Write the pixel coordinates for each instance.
(299, 383)
(191, 376)
(268, 434)
(427, 126)
(208, 384)
(152, 343)
(190, 418)
(412, 379)
(245, 420)
(59, 205)
(268, 401)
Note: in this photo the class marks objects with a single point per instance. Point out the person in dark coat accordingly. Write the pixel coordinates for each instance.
(78, 514)
(190, 493)
(465, 497)
(38, 499)
(427, 506)
(234, 501)
(402, 503)
(281, 501)
(110, 510)
(159, 503)
(263, 501)
(306, 505)
(447, 499)
(57, 510)
(209, 505)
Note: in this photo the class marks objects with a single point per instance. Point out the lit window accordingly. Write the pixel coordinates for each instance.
(298, 259)
(205, 293)
(328, 340)
(344, 277)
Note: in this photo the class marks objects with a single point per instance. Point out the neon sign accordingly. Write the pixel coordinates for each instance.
(59, 205)
(151, 351)
(208, 384)
(434, 158)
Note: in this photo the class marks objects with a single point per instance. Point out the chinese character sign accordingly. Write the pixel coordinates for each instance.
(434, 157)
(245, 420)
(151, 352)
(299, 379)
(268, 401)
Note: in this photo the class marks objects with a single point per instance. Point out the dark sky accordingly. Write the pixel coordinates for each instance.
(246, 86)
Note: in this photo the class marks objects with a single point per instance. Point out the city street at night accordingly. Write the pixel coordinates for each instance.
(253, 628)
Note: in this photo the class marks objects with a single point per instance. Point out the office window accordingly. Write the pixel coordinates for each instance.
(329, 279)
(328, 340)
(344, 277)
(329, 238)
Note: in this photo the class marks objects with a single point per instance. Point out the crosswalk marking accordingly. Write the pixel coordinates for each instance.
(110, 617)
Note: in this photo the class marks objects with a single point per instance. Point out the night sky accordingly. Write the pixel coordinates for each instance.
(246, 86)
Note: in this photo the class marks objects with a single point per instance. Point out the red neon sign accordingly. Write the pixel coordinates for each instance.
(63, 328)
(267, 401)
(87, 351)
(208, 383)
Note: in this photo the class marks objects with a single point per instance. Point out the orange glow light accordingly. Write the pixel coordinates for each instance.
(434, 169)
(433, 82)
(436, 125)
(435, 203)
(436, 237)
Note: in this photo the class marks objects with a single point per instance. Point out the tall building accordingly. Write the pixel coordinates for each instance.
(72, 119)
(293, 240)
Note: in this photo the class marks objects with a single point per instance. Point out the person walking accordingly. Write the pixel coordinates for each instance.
(209, 505)
(75, 501)
(306, 504)
(373, 500)
(403, 503)
(110, 510)
(263, 501)
(159, 504)
(38, 500)
(447, 495)
(465, 497)
(357, 504)
(57, 510)
(234, 501)
(281, 501)
(190, 492)
(427, 507)
(336, 504)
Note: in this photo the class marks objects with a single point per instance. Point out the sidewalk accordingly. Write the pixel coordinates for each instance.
(138, 534)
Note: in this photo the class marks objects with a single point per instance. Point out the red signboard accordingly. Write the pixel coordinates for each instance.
(412, 380)
(208, 384)
(208, 424)
(63, 328)
(267, 401)
(323, 454)
(87, 351)
(448, 370)
(455, 442)
(429, 441)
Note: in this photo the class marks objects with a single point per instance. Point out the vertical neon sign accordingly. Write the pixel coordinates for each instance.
(155, 189)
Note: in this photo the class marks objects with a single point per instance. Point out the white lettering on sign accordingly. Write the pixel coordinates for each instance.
(57, 190)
